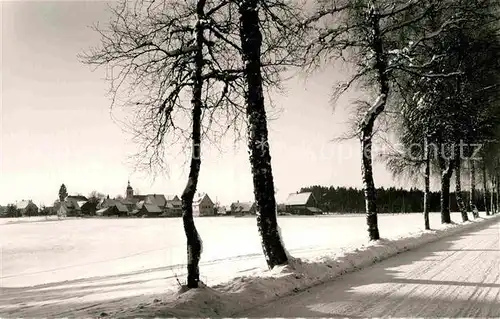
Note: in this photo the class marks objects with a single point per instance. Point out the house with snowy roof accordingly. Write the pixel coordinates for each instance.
(173, 207)
(222, 210)
(302, 204)
(174, 200)
(27, 208)
(76, 205)
(152, 205)
(76, 198)
(243, 208)
(114, 208)
(203, 205)
(150, 210)
(156, 199)
(119, 209)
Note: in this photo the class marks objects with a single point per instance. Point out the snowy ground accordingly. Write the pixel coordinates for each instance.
(18, 220)
(89, 266)
(458, 276)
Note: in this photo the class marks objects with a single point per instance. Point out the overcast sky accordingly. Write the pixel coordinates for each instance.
(56, 125)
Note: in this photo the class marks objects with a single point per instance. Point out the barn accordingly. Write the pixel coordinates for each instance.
(302, 204)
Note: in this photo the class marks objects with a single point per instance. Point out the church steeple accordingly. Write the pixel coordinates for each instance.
(130, 191)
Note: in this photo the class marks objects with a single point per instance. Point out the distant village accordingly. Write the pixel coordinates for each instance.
(152, 205)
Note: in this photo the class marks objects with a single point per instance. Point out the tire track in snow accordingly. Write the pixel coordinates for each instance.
(447, 274)
(306, 250)
(455, 276)
(377, 302)
(491, 270)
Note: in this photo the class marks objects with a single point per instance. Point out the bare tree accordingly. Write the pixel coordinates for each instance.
(431, 69)
(381, 40)
(263, 37)
(159, 53)
(177, 65)
(96, 196)
(194, 245)
(260, 157)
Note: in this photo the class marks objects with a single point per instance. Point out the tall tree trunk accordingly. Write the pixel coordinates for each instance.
(472, 202)
(497, 186)
(492, 196)
(366, 126)
(194, 245)
(485, 188)
(427, 182)
(446, 166)
(260, 157)
(458, 190)
(369, 186)
(445, 198)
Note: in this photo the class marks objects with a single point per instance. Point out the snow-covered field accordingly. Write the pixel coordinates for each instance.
(144, 256)
(33, 219)
(41, 252)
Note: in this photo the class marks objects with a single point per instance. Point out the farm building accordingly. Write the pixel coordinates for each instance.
(174, 199)
(243, 208)
(302, 204)
(175, 204)
(118, 209)
(76, 205)
(149, 210)
(27, 208)
(281, 208)
(222, 210)
(106, 202)
(101, 211)
(131, 205)
(203, 206)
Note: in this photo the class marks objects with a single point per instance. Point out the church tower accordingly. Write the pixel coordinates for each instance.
(130, 191)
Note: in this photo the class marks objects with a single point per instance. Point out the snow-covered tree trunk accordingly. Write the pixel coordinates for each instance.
(485, 189)
(472, 176)
(367, 124)
(369, 186)
(445, 197)
(194, 245)
(260, 157)
(427, 182)
(458, 190)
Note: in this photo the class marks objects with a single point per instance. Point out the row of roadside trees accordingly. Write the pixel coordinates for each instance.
(192, 70)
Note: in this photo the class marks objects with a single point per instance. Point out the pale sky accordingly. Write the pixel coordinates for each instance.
(56, 125)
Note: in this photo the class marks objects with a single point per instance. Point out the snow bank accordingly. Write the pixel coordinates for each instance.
(244, 293)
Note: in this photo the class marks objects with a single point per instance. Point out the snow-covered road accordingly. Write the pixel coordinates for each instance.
(458, 276)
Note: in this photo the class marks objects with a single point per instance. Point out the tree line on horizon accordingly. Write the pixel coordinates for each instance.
(350, 200)
(192, 71)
